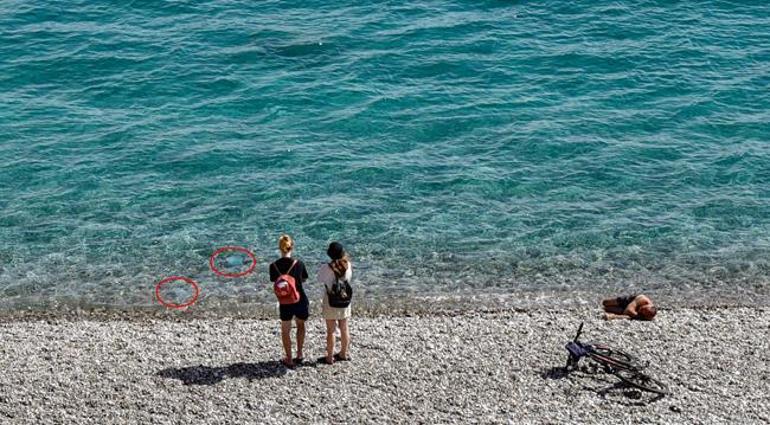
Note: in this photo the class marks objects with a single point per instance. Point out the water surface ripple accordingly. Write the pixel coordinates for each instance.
(453, 146)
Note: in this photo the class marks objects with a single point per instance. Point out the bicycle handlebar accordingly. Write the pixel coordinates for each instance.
(580, 329)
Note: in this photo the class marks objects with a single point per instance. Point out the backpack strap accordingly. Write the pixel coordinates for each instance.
(287, 271)
(292, 266)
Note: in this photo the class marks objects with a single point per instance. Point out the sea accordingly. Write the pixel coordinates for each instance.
(455, 148)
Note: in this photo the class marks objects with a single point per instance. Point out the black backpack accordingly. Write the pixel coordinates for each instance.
(340, 293)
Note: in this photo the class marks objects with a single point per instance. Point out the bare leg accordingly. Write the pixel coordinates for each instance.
(344, 338)
(613, 316)
(286, 339)
(330, 341)
(611, 306)
(300, 337)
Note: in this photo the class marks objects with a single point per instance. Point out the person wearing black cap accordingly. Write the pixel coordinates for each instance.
(336, 277)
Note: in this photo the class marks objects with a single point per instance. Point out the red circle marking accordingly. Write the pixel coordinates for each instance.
(192, 283)
(232, 248)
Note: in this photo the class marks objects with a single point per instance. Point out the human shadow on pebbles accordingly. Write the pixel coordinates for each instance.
(206, 375)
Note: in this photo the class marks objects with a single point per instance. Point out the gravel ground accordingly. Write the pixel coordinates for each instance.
(480, 367)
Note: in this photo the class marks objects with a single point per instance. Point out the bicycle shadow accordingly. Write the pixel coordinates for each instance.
(555, 373)
(619, 391)
(627, 395)
(206, 375)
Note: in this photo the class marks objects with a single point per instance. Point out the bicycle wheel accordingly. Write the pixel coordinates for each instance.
(642, 381)
(614, 358)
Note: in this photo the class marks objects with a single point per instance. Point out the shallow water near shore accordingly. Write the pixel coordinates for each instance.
(455, 148)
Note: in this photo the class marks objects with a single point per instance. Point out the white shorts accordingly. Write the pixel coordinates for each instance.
(334, 313)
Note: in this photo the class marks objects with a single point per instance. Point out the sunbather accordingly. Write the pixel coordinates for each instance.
(637, 307)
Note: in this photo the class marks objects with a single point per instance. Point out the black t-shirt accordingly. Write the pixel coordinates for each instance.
(299, 273)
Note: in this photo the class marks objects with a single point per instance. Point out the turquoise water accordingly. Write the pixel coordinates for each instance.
(452, 146)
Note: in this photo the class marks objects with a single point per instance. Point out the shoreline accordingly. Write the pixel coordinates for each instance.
(268, 313)
(447, 305)
(483, 367)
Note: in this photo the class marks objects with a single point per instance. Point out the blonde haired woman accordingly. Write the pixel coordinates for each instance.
(299, 311)
(338, 271)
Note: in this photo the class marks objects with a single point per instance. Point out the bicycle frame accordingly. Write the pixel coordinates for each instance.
(626, 369)
(576, 349)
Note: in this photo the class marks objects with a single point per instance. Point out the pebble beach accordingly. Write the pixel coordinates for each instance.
(493, 168)
(499, 366)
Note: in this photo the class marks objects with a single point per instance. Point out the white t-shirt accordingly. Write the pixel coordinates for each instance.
(326, 275)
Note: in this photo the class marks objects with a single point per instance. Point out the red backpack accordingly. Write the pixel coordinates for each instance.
(285, 287)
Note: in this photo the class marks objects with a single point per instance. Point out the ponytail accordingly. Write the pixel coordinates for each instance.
(340, 266)
(285, 244)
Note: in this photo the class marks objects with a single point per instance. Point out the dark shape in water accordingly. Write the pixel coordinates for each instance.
(235, 260)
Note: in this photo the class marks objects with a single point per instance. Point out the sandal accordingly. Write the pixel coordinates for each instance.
(324, 360)
(288, 363)
(298, 361)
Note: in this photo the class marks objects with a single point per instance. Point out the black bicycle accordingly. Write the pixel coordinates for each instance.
(623, 365)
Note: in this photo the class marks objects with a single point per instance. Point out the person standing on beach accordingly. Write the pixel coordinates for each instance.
(335, 277)
(299, 311)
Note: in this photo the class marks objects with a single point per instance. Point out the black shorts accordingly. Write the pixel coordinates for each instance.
(623, 302)
(300, 310)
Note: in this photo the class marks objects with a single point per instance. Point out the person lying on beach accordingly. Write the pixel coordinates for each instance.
(638, 307)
